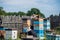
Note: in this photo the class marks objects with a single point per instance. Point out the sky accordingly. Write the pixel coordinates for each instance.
(47, 7)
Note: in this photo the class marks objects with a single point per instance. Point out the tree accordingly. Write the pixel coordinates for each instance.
(35, 11)
(29, 13)
(57, 30)
(21, 13)
(2, 11)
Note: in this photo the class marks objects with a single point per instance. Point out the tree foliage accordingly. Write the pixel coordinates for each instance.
(2, 11)
(35, 11)
(21, 13)
(29, 12)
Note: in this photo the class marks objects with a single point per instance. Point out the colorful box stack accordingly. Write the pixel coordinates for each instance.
(26, 22)
(39, 28)
(46, 24)
(2, 31)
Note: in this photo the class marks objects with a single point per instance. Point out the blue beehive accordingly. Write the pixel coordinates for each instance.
(1, 28)
(46, 24)
(38, 28)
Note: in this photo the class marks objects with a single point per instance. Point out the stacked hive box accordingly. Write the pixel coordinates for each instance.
(2, 32)
(26, 22)
(39, 28)
(11, 34)
(46, 24)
